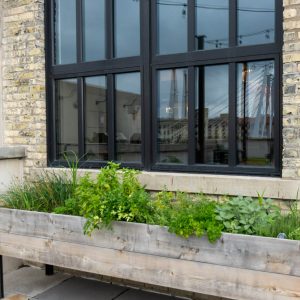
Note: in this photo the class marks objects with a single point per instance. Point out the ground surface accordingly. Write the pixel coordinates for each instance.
(34, 285)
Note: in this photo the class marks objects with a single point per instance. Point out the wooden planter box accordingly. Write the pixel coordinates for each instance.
(236, 267)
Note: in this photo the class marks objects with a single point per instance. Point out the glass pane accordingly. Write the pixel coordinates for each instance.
(128, 117)
(95, 118)
(67, 118)
(65, 32)
(173, 116)
(93, 29)
(172, 26)
(212, 109)
(255, 111)
(208, 14)
(127, 28)
(256, 22)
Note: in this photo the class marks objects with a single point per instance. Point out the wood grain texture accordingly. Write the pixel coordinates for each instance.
(237, 266)
(198, 277)
(239, 251)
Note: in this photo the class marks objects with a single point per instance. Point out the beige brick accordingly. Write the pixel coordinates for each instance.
(24, 103)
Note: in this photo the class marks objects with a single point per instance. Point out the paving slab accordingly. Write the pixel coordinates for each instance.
(141, 295)
(30, 281)
(82, 289)
(16, 297)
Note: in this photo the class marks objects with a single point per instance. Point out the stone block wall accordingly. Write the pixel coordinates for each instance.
(291, 90)
(23, 79)
(22, 88)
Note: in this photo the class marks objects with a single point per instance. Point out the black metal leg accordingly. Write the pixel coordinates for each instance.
(1, 278)
(49, 270)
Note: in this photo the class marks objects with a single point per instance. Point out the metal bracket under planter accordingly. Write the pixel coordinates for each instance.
(49, 270)
(1, 278)
(235, 267)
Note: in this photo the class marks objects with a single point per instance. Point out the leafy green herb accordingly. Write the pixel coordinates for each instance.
(116, 195)
(243, 214)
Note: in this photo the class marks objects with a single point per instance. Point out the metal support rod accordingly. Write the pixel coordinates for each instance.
(49, 270)
(1, 278)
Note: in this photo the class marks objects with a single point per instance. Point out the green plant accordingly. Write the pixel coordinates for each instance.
(186, 216)
(246, 215)
(116, 195)
(44, 193)
(287, 222)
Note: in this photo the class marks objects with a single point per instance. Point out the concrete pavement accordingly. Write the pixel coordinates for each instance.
(31, 283)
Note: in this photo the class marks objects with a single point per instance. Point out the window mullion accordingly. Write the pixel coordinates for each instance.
(191, 25)
(191, 116)
(278, 24)
(232, 136)
(111, 116)
(232, 23)
(109, 29)
(146, 83)
(277, 116)
(81, 118)
(79, 30)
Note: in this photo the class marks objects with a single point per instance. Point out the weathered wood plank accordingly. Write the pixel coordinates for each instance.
(239, 251)
(198, 277)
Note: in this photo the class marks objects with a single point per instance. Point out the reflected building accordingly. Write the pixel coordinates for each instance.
(128, 132)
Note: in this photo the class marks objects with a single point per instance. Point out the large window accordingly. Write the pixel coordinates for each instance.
(173, 85)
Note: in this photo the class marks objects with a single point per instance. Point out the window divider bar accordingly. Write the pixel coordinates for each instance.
(53, 111)
(50, 93)
(279, 23)
(109, 37)
(146, 83)
(154, 119)
(233, 19)
(154, 27)
(232, 134)
(111, 116)
(191, 24)
(277, 114)
(79, 31)
(191, 116)
(81, 118)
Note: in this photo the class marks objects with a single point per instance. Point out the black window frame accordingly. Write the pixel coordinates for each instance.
(148, 63)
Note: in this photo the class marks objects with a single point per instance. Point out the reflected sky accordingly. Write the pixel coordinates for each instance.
(130, 83)
(127, 28)
(212, 24)
(216, 90)
(65, 32)
(259, 77)
(94, 29)
(256, 21)
(172, 26)
(172, 94)
(96, 81)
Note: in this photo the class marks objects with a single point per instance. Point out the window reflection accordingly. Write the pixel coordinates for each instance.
(256, 22)
(208, 14)
(67, 117)
(127, 28)
(255, 111)
(172, 26)
(95, 118)
(65, 32)
(173, 116)
(94, 29)
(212, 110)
(128, 117)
